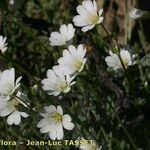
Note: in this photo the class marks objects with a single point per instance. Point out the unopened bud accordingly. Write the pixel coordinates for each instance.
(146, 84)
(34, 89)
(11, 2)
(135, 13)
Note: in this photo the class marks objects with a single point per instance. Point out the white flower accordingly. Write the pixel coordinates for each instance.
(54, 121)
(7, 82)
(56, 82)
(65, 35)
(89, 146)
(114, 61)
(135, 13)
(3, 44)
(73, 59)
(88, 15)
(10, 109)
(11, 2)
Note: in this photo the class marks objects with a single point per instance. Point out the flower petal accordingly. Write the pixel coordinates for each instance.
(14, 118)
(87, 28)
(67, 124)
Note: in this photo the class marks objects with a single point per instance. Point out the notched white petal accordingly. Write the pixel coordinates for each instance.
(65, 34)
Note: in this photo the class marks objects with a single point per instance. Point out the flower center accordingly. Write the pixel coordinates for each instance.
(125, 62)
(57, 117)
(94, 18)
(78, 65)
(63, 86)
(15, 102)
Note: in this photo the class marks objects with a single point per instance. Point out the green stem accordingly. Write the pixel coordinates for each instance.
(93, 37)
(130, 81)
(127, 133)
(108, 36)
(105, 136)
(141, 70)
(123, 127)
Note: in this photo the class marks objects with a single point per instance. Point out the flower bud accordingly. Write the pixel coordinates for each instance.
(135, 13)
(34, 89)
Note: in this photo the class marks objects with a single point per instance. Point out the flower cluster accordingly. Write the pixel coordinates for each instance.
(61, 77)
(73, 60)
(56, 82)
(11, 97)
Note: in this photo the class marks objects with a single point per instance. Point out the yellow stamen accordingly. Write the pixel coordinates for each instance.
(94, 18)
(78, 65)
(125, 62)
(63, 86)
(57, 117)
